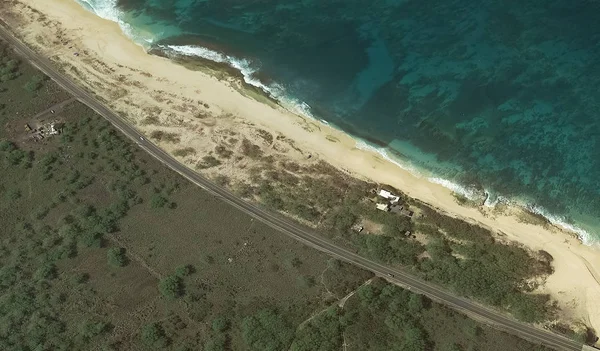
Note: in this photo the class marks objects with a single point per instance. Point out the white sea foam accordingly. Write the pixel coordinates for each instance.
(361, 144)
(106, 9)
(459, 189)
(560, 221)
(491, 200)
(109, 10)
(467, 192)
(247, 68)
(474, 194)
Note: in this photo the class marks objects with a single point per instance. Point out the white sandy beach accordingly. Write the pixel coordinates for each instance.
(153, 85)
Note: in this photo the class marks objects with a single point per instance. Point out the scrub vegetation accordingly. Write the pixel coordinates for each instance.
(102, 247)
(463, 257)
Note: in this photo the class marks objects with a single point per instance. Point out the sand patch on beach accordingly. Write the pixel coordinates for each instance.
(199, 116)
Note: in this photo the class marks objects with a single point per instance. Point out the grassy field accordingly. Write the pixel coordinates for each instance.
(103, 248)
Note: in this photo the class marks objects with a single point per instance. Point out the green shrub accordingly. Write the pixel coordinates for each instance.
(208, 162)
(165, 136)
(16, 156)
(46, 271)
(216, 342)
(184, 271)
(6, 145)
(35, 83)
(223, 152)
(13, 194)
(171, 287)
(157, 201)
(324, 332)
(116, 257)
(154, 335)
(267, 330)
(184, 152)
(92, 238)
(251, 150)
(220, 324)
(90, 329)
(9, 70)
(529, 308)
(80, 278)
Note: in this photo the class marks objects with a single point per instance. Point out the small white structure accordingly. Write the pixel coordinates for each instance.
(383, 207)
(387, 195)
(53, 130)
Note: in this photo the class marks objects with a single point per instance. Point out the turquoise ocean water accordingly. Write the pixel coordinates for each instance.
(502, 96)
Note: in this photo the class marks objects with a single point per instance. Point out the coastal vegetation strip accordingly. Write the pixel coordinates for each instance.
(104, 246)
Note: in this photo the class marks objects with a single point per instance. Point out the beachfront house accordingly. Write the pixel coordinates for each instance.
(383, 207)
(387, 195)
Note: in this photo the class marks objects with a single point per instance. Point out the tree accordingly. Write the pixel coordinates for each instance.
(529, 308)
(89, 329)
(6, 145)
(220, 324)
(35, 83)
(184, 271)
(93, 238)
(267, 331)
(217, 342)
(157, 201)
(453, 347)
(46, 271)
(171, 287)
(366, 293)
(80, 278)
(16, 156)
(116, 257)
(415, 339)
(13, 194)
(324, 332)
(154, 335)
(415, 304)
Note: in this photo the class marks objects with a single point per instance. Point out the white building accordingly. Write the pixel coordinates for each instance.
(387, 195)
(53, 130)
(383, 207)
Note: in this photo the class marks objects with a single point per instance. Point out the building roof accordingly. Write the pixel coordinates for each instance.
(386, 194)
(383, 207)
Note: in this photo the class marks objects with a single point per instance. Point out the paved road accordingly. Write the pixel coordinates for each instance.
(289, 227)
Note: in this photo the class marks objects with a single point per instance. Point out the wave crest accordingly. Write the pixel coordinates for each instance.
(247, 68)
(489, 199)
(109, 10)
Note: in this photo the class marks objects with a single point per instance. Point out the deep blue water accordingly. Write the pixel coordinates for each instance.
(502, 95)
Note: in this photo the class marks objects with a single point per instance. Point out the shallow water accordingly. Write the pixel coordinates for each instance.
(500, 95)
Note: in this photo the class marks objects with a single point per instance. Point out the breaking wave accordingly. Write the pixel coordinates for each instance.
(489, 199)
(363, 145)
(247, 68)
(109, 10)
(469, 193)
(562, 222)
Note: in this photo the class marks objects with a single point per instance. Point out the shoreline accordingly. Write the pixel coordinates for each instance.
(221, 62)
(574, 284)
(239, 68)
